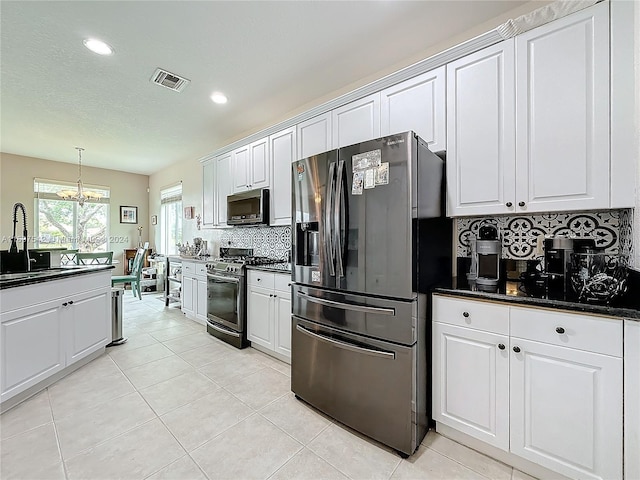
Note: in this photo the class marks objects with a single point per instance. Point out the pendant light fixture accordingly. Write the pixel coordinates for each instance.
(80, 194)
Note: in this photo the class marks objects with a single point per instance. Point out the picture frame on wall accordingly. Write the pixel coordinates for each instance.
(128, 214)
(154, 219)
(188, 212)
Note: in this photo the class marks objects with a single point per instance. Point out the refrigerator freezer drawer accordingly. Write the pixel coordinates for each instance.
(393, 320)
(369, 385)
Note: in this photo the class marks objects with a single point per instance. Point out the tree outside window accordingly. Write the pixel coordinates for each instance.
(65, 224)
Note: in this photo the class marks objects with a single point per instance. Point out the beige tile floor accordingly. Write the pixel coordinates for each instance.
(175, 403)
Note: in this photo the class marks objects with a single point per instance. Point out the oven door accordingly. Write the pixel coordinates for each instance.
(225, 301)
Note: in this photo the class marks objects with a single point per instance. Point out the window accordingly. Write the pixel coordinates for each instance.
(170, 219)
(64, 223)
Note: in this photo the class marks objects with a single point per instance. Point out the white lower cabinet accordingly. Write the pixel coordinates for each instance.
(472, 364)
(566, 409)
(194, 291)
(85, 316)
(269, 313)
(546, 387)
(46, 327)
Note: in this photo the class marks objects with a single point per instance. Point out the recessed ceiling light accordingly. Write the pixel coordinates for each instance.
(98, 46)
(218, 97)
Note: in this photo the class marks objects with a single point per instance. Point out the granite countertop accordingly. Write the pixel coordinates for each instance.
(10, 280)
(283, 267)
(617, 311)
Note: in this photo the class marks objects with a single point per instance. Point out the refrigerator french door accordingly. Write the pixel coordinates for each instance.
(369, 239)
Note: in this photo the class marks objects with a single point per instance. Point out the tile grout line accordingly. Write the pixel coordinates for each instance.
(55, 431)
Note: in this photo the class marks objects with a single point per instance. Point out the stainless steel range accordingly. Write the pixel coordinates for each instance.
(227, 294)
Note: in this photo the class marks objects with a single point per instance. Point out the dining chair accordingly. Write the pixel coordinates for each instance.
(95, 258)
(134, 277)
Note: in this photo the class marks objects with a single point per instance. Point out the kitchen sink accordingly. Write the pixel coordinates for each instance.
(39, 273)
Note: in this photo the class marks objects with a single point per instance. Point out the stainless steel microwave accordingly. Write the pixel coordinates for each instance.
(248, 208)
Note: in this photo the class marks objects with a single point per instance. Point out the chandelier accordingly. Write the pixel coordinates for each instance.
(80, 194)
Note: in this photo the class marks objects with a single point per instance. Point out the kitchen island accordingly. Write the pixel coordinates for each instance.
(51, 323)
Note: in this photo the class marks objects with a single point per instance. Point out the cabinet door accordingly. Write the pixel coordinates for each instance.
(282, 319)
(223, 187)
(208, 193)
(188, 294)
(566, 409)
(201, 300)
(240, 168)
(357, 121)
(417, 104)
(314, 135)
(562, 75)
(481, 132)
(87, 323)
(260, 166)
(283, 153)
(260, 316)
(471, 382)
(31, 346)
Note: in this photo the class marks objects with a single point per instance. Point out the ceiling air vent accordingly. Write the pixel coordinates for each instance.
(169, 80)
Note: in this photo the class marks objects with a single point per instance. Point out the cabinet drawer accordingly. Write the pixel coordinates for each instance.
(201, 269)
(282, 282)
(584, 332)
(188, 268)
(473, 314)
(260, 279)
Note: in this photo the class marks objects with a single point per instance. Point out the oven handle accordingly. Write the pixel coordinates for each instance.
(224, 279)
(345, 345)
(348, 306)
(223, 330)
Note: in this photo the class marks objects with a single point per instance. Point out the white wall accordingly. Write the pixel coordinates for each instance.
(16, 185)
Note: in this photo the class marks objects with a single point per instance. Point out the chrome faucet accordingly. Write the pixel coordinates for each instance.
(14, 246)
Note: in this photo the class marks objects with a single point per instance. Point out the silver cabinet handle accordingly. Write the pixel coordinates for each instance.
(347, 346)
(348, 306)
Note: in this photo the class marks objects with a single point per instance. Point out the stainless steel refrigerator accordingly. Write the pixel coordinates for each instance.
(369, 241)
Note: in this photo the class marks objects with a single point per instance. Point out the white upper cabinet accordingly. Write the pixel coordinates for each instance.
(259, 164)
(562, 85)
(417, 104)
(208, 193)
(223, 187)
(481, 132)
(554, 155)
(357, 121)
(250, 166)
(282, 146)
(314, 136)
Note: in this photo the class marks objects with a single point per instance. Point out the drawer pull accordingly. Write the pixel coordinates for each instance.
(64, 304)
(509, 204)
(516, 349)
(258, 279)
(521, 204)
(560, 330)
(501, 346)
(465, 314)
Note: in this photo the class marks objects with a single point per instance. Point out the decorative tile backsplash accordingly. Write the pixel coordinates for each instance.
(272, 242)
(612, 229)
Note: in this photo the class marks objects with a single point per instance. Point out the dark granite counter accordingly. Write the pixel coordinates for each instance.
(10, 280)
(283, 267)
(518, 299)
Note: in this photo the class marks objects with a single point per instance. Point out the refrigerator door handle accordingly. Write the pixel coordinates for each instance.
(328, 228)
(336, 220)
(347, 346)
(348, 306)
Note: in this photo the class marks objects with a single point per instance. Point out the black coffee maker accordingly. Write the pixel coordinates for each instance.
(557, 263)
(486, 250)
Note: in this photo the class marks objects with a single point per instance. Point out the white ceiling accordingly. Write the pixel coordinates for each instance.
(270, 58)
